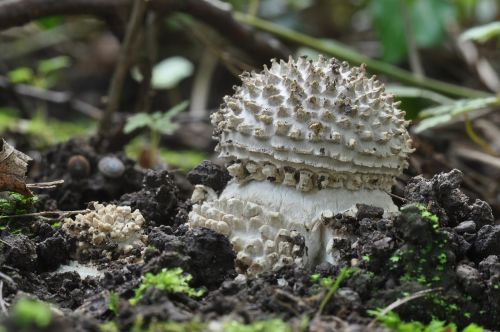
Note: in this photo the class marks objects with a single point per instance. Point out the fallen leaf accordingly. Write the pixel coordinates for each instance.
(13, 168)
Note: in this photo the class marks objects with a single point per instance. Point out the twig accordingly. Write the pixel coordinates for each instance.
(6, 277)
(115, 89)
(343, 52)
(50, 214)
(402, 199)
(2, 301)
(44, 39)
(215, 46)
(55, 97)
(402, 301)
(45, 185)
(288, 300)
(215, 13)
(150, 41)
(478, 156)
(201, 85)
(469, 51)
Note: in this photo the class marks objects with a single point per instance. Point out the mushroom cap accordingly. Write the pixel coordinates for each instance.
(321, 116)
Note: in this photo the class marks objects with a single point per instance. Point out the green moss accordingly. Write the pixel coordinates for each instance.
(427, 215)
(424, 263)
(114, 302)
(393, 322)
(29, 313)
(168, 280)
(16, 204)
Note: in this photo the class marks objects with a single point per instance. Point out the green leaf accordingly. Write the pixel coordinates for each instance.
(428, 18)
(473, 328)
(388, 23)
(21, 75)
(414, 92)
(438, 115)
(54, 64)
(50, 22)
(482, 33)
(138, 120)
(8, 116)
(164, 124)
(170, 72)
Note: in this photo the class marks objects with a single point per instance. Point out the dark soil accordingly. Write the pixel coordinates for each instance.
(157, 200)
(76, 162)
(454, 248)
(209, 174)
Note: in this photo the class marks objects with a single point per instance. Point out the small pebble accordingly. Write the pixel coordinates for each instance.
(111, 167)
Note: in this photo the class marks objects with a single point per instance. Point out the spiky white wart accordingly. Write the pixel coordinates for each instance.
(109, 228)
(316, 137)
(318, 116)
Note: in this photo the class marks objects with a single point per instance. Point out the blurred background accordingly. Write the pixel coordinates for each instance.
(63, 69)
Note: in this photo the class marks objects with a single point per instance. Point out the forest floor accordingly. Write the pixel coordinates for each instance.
(441, 254)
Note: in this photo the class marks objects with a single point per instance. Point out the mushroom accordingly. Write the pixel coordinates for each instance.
(303, 140)
(109, 228)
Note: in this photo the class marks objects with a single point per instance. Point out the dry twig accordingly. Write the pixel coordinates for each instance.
(122, 67)
(216, 14)
(54, 215)
(402, 301)
(3, 304)
(45, 185)
(55, 97)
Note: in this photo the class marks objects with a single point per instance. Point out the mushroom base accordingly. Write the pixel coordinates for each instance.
(271, 225)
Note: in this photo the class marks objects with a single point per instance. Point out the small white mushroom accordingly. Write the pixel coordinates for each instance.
(107, 226)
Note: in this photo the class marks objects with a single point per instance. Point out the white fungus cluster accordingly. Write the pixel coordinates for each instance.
(303, 141)
(111, 228)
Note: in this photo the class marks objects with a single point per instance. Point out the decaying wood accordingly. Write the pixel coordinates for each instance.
(13, 168)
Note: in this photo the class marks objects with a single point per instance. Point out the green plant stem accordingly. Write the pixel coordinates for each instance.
(253, 7)
(476, 138)
(154, 142)
(343, 274)
(341, 51)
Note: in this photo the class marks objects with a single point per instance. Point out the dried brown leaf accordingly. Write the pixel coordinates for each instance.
(13, 168)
